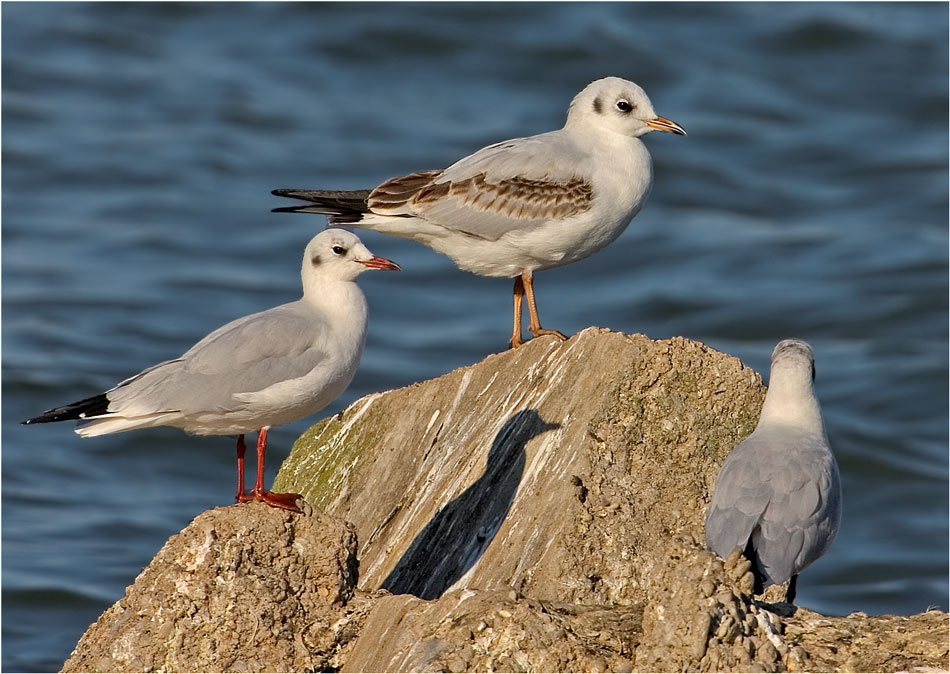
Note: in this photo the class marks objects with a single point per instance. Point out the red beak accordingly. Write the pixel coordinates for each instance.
(380, 263)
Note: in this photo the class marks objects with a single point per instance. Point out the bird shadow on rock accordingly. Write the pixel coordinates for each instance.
(455, 538)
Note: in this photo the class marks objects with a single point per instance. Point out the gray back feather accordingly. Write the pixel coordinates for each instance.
(513, 185)
(246, 355)
(780, 490)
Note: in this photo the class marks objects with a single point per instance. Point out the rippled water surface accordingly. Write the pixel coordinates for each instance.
(141, 142)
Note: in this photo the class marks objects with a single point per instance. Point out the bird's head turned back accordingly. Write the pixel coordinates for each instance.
(790, 399)
(795, 357)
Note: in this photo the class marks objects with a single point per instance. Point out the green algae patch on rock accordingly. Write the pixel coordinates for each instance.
(328, 456)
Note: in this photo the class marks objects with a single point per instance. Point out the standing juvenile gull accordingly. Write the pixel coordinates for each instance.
(266, 369)
(521, 205)
(778, 494)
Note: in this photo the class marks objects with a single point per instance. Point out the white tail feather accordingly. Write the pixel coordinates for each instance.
(114, 423)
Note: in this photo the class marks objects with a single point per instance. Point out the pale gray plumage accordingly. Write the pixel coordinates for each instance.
(221, 375)
(778, 493)
(265, 369)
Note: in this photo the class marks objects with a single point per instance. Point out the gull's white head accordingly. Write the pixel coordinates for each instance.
(339, 255)
(620, 106)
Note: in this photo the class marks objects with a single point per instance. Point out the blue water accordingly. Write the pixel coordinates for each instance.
(141, 142)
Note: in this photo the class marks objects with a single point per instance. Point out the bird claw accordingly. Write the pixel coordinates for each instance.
(541, 332)
(515, 342)
(287, 501)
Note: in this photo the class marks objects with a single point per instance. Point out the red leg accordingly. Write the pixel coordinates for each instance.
(287, 500)
(241, 449)
(261, 451)
(518, 294)
(534, 325)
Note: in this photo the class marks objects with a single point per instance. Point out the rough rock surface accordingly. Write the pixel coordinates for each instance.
(539, 511)
(245, 588)
(863, 643)
(560, 469)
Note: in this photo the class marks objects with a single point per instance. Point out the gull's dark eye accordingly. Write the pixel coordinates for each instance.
(624, 106)
(338, 250)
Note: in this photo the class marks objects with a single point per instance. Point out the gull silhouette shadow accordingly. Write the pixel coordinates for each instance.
(454, 540)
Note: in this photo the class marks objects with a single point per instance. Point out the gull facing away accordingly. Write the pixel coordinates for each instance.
(521, 205)
(266, 369)
(778, 493)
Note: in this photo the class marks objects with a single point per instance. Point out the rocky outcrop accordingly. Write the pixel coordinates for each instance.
(539, 511)
(560, 468)
(244, 589)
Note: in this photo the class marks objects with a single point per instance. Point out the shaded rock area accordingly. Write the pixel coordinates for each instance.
(539, 511)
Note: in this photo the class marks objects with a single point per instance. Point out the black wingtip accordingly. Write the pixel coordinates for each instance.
(83, 409)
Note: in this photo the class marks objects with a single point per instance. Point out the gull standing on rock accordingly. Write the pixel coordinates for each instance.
(266, 369)
(778, 494)
(521, 205)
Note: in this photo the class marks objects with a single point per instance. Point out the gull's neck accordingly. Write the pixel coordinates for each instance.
(342, 303)
(791, 399)
(621, 157)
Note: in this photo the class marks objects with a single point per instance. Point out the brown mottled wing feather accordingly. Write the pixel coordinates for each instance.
(393, 196)
(515, 197)
(480, 206)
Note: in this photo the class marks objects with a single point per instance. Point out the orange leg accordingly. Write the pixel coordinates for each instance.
(287, 501)
(516, 340)
(534, 325)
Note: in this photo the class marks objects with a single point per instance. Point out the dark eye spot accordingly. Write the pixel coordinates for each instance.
(624, 106)
(598, 105)
(338, 250)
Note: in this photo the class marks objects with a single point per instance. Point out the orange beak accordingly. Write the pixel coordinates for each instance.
(664, 124)
(380, 263)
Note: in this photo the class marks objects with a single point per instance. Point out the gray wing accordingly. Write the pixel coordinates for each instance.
(740, 497)
(802, 519)
(777, 490)
(512, 185)
(246, 355)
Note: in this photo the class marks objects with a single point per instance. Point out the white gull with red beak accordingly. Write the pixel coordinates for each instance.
(263, 370)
